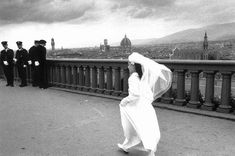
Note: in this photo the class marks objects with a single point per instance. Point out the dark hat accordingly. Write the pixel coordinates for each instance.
(4, 42)
(36, 41)
(19, 43)
(42, 42)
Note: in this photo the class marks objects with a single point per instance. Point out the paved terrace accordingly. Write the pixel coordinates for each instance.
(35, 122)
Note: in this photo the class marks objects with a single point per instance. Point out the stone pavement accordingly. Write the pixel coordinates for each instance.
(35, 122)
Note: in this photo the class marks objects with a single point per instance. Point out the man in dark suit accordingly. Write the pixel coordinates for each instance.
(42, 65)
(34, 58)
(21, 63)
(7, 62)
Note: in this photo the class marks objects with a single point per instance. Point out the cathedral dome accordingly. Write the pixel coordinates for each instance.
(125, 42)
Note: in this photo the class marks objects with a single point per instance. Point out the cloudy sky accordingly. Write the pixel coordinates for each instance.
(79, 23)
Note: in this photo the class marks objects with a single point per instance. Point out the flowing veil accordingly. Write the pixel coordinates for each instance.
(156, 79)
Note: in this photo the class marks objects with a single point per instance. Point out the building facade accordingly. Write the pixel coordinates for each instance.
(125, 46)
(192, 53)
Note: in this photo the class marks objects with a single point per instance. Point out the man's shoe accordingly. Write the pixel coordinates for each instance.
(34, 85)
(45, 87)
(7, 84)
(122, 148)
(11, 85)
(23, 85)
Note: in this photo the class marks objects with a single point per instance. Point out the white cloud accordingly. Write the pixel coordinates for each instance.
(76, 23)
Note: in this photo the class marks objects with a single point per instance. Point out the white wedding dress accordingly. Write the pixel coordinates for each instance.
(138, 117)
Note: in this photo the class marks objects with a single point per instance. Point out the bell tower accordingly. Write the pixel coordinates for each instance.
(205, 47)
(205, 43)
(52, 44)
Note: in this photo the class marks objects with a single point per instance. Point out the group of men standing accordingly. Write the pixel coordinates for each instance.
(36, 58)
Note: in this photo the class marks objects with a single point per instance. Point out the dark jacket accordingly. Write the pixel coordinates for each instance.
(42, 54)
(7, 56)
(22, 57)
(34, 54)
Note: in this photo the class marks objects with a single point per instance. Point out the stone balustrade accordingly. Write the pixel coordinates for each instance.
(110, 77)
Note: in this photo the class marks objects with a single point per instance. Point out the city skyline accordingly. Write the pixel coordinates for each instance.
(76, 23)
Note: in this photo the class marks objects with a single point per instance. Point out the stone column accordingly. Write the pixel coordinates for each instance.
(87, 79)
(109, 89)
(62, 76)
(53, 75)
(68, 76)
(66, 83)
(81, 78)
(58, 76)
(225, 106)
(167, 98)
(209, 93)
(180, 100)
(75, 77)
(194, 99)
(117, 81)
(101, 80)
(94, 79)
(125, 82)
(65, 77)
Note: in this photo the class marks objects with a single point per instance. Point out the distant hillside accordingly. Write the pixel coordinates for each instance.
(214, 32)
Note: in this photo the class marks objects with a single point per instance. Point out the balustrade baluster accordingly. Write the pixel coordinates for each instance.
(225, 106)
(109, 88)
(68, 76)
(180, 100)
(81, 78)
(87, 79)
(54, 75)
(53, 79)
(167, 97)
(101, 80)
(117, 82)
(75, 77)
(58, 78)
(94, 79)
(194, 98)
(125, 82)
(62, 76)
(65, 75)
(209, 93)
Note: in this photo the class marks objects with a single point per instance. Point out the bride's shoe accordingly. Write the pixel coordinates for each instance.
(122, 148)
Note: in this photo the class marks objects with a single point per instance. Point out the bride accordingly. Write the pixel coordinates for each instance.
(148, 81)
